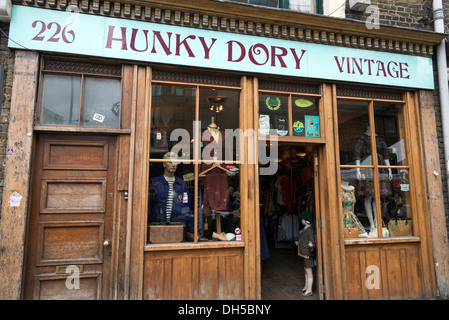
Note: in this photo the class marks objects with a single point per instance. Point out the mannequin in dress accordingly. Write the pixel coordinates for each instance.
(348, 203)
(368, 186)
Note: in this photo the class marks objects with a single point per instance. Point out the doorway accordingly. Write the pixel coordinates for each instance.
(283, 196)
(69, 234)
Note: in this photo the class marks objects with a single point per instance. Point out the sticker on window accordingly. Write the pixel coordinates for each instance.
(98, 117)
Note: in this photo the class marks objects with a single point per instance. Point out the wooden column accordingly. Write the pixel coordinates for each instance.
(17, 174)
(436, 201)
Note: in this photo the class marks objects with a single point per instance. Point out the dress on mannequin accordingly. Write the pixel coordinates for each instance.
(350, 220)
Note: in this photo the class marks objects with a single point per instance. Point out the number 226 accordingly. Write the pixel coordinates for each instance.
(57, 30)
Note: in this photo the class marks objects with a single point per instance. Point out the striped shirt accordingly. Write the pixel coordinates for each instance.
(171, 181)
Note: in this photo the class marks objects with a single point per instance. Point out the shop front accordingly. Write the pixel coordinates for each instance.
(173, 150)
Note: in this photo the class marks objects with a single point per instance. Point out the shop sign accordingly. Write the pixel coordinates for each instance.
(86, 34)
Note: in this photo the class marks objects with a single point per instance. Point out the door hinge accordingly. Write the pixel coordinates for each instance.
(318, 223)
(316, 161)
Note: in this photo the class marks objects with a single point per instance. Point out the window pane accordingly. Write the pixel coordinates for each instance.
(170, 202)
(101, 102)
(353, 132)
(219, 116)
(60, 99)
(358, 201)
(219, 203)
(390, 133)
(273, 114)
(172, 117)
(396, 210)
(219, 182)
(306, 122)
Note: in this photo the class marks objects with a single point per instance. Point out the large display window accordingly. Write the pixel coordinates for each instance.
(194, 164)
(374, 168)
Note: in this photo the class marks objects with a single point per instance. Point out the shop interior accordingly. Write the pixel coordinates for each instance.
(283, 197)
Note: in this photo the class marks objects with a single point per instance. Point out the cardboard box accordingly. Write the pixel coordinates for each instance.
(166, 233)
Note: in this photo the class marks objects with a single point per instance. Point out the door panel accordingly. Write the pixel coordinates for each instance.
(73, 184)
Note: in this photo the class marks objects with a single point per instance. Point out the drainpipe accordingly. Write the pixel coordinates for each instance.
(441, 265)
(438, 18)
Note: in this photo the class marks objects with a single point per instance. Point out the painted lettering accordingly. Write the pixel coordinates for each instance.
(122, 39)
(275, 55)
(205, 47)
(184, 43)
(392, 72)
(359, 66)
(133, 40)
(381, 68)
(297, 60)
(403, 68)
(257, 50)
(230, 51)
(157, 34)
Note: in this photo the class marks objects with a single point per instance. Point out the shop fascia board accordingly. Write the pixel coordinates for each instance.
(286, 17)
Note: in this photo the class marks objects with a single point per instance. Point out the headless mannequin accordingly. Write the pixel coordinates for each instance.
(370, 205)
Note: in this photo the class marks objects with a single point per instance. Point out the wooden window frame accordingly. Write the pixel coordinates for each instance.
(78, 67)
(195, 80)
(375, 166)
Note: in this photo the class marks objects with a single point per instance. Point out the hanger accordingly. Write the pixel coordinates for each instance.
(215, 165)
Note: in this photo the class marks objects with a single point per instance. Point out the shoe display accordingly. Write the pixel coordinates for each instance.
(219, 236)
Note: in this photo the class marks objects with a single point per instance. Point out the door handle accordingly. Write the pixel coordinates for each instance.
(106, 243)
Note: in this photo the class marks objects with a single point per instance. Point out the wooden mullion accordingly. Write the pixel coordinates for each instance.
(196, 153)
(81, 110)
(375, 168)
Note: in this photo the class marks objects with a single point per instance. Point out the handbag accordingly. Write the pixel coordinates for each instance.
(158, 140)
(400, 228)
(373, 233)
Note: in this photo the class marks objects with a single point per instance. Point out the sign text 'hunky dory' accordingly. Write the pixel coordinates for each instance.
(84, 34)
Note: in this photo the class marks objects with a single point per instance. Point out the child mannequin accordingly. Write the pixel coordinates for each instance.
(306, 244)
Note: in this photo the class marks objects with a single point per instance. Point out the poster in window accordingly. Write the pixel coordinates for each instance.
(312, 126)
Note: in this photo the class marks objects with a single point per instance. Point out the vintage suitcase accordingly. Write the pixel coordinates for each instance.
(172, 232)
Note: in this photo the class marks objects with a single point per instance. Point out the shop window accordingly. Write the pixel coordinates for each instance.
(194, 165)
(373, 147)
(80, 94)
(288, 115)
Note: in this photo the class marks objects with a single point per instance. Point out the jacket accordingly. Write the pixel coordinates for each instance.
(306, 235)
(158, 196)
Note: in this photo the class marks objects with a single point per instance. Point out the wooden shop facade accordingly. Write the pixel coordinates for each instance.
(269, 113)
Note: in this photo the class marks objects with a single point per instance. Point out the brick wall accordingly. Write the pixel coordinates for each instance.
(7, 61)
(415, 14)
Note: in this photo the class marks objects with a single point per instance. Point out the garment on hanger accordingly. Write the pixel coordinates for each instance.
(216, 195)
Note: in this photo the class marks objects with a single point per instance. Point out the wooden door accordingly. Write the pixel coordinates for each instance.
(68, 253)
(319, 239)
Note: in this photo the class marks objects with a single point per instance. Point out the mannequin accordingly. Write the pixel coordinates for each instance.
(348, 203)
(362, 150)
(306, 244)
(168, 196)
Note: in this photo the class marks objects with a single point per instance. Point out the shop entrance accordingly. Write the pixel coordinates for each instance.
(69, 236)
(283, 197)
